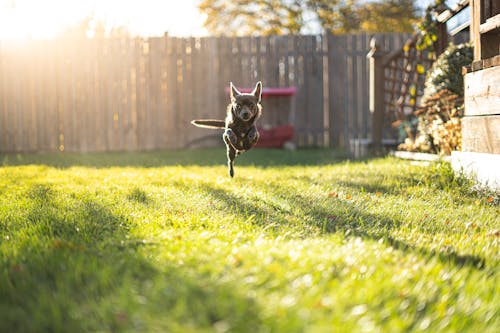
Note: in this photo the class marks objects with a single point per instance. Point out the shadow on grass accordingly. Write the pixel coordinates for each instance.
(341, 217)
(76, 269)
(199, 157)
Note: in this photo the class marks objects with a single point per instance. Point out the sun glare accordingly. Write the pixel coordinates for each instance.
(37, 19)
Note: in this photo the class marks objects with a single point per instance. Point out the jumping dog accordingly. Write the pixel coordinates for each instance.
(240, 132)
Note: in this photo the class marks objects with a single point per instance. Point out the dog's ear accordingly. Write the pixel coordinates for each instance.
(257, 92)
(233, 91)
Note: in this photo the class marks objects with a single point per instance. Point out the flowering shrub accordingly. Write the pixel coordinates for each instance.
(439, 129)
(446, 71)
(436, 125)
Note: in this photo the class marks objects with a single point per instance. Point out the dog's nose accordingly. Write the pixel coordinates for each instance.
(245, 115)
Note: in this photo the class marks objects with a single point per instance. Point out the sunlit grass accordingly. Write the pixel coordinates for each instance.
(297, 242)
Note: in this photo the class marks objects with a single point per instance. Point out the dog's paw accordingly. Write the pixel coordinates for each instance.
(253, 133)
(230, 135)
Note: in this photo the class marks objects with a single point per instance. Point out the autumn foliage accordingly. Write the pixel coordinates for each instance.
(278, 17)
(436, 126)
(439, 127)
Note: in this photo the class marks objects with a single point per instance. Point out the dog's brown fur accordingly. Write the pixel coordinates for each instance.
(240, 131)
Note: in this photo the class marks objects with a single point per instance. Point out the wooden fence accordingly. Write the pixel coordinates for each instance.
(140, 94)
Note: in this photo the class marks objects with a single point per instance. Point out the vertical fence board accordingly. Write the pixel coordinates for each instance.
(32, 91)
(131, 93)
(3, 98)
(337, 91)
(9, 69)
(49, 81)
(65, 95)
(317, 126)
(172, 109)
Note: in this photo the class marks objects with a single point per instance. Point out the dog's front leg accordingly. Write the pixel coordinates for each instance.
(230, 138)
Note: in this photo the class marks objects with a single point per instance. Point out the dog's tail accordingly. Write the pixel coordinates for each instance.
(209, 123)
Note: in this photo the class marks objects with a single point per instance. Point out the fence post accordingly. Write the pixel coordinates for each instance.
(376, 92)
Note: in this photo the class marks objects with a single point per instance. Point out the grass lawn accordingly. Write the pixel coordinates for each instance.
(297, 242)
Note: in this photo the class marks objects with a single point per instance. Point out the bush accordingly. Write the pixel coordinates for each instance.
(446, 72)
(436, 126)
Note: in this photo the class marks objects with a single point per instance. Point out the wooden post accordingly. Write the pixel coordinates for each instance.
(376, 92)
(442, 38)
(475, 36)
(484, 29)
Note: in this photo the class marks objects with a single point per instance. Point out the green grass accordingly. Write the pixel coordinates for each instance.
(297, 242)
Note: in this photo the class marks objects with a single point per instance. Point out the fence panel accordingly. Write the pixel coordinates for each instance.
(140, 94)
(348, 71)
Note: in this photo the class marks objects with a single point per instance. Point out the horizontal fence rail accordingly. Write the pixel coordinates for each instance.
(125, 94)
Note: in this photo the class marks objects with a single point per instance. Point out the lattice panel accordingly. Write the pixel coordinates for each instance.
(404, 81)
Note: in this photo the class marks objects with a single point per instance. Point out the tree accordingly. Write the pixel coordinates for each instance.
(264, 17)
(389, 16)
(243, 17)
(336, 16)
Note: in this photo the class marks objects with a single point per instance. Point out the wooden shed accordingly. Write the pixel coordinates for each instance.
(480, 155)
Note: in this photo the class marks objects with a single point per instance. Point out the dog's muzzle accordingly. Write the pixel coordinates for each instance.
(245, 115)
